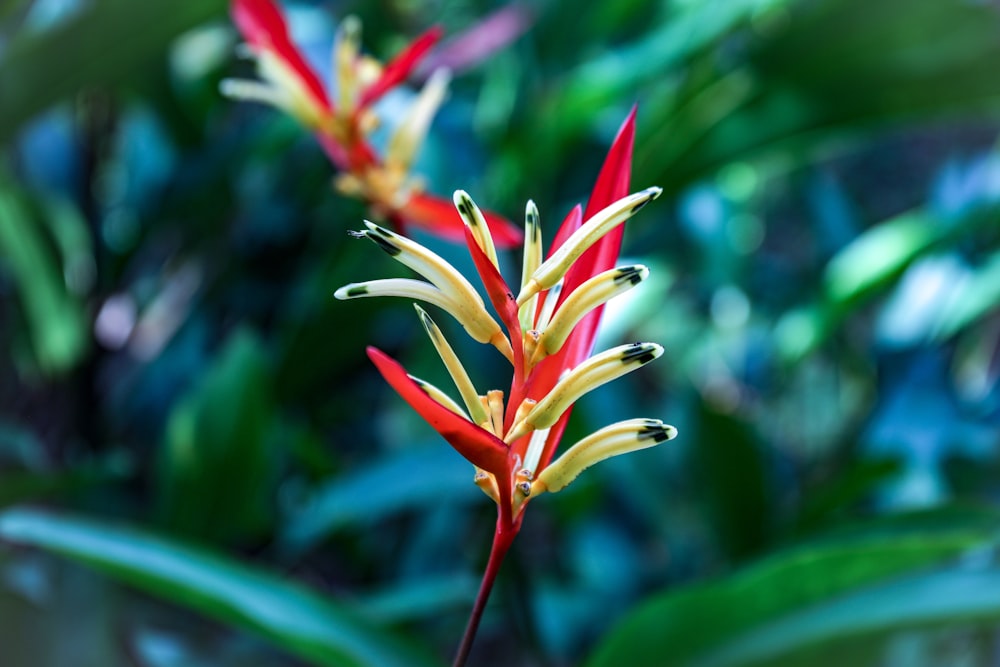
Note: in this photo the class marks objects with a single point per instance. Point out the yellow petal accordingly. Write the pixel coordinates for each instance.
(555, 267)
(439, 396)
(620, 438)
(591, 294)
(590, 374)
(455, 368)
(476, 223)
(468, 307)
(532, 260)
(411, 132)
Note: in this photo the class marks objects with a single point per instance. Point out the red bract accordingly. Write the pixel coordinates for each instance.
(612, 184)
(399, 68)
(481, 448)
(430, 212)
(342, 125)
(264, 28)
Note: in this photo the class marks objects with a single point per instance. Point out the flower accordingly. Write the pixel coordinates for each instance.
(342, 123)
(546, 332)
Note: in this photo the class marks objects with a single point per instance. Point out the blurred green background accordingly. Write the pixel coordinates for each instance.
(198, 466)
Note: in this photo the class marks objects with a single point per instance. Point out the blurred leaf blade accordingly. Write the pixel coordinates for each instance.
(405, 481)
(878, 255)
(693, 28)
(290, 616)
(978, 298)
(56, 324)
(688, 625)
(950, 598)
(734, 485)
(221, 430)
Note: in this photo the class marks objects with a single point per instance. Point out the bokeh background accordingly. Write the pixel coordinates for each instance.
(198, 466)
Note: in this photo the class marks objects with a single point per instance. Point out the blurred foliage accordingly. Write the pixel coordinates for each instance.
(826, 280)
(692, 626)
(303, 622)
(221, 430)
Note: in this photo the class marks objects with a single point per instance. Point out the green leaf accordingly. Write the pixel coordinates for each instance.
(704, 622)
(844, 488)
(879, 255)
(949, 598)
(733, 480)
(405, 481)
(422, 598)
(102, 44)
(874, 261)
(296, 619)
(221, 431)
(692, 28)
(53, 315)
(979, 297)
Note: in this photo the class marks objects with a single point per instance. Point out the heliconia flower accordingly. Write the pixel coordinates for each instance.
(342, 122)
(546, 332)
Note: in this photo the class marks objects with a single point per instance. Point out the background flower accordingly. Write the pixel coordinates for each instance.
(342, 116)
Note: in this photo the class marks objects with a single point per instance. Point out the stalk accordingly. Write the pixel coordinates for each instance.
(502, 539)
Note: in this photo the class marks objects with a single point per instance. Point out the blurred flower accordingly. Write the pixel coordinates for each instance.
(342, 123)
(547, 333)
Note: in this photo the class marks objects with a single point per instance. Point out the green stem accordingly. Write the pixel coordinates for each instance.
(502, 539)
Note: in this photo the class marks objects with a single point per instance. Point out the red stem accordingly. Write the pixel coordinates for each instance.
(502, 539)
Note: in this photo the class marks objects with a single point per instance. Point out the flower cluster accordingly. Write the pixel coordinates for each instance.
(546, 332)
(343, 118)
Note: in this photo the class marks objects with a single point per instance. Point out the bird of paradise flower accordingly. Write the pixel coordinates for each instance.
(547, 334)
(342, 123)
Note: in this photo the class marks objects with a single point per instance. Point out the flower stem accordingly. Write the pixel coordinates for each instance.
(502, 539)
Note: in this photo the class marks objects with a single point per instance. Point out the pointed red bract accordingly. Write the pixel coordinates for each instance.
(439, 217)
(612, 184)
(503, 301)
(478, 446)
(399, 68)
(434, 214)
(263, 25)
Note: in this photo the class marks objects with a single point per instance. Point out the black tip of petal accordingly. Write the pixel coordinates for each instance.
(632, 274)
(384, 244)
(428, 323)
(464, 207)
(640, 353)
(635, 209)
(360, 290)
(652, 193)
(658, 432)
(531, 220)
